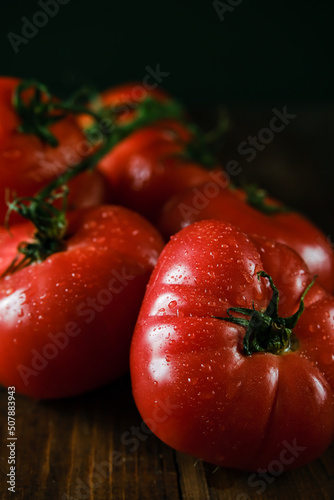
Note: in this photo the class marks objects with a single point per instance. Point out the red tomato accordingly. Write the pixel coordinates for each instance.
(89, 189)
(231, 206)
(125, 97)
(27, 163)
(145, 169)
(193, 382)
(66, 322)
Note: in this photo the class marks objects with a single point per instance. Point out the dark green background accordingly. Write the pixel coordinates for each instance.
(263, 50)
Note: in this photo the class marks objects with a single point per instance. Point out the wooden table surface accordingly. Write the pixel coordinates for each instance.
(95, 447)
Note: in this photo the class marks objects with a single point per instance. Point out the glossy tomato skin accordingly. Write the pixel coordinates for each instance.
(126, 98)
(88, 189)
(191, 381)
(66, 323)
(27, 164)
(145, 169)
(290, 228)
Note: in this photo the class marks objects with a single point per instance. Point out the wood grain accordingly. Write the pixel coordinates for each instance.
(93, 447)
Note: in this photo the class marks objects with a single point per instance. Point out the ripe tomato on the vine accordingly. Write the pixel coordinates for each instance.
(66, 322)
(27, 162)
(238, 339)
(125, 98)
(151, 163)
(147, 168)
(264, 218)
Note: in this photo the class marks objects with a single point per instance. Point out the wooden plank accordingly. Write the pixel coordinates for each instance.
(312, 482)
(94, 447)
(192, 478)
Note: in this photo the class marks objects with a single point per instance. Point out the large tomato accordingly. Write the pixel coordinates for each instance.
(148, 166)
(210, 201)
(27, 163)
(66, 323)
(146, 169)
(217, 371)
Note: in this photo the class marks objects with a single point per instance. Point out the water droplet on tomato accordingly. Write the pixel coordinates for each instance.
(240, 299)
(248, 278)
(172, 304)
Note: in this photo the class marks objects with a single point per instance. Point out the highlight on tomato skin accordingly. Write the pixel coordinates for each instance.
(147, 168)
(225, 406)
(66, 322)
(27, 163)
(231, 205)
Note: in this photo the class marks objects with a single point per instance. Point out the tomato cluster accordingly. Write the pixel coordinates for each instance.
(229, 324)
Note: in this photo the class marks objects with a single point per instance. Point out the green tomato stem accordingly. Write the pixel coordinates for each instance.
(267, 331)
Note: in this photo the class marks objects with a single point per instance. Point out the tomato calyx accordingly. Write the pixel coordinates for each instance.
(51, 226)
(39, 109)
(266, 331)
(148, 111)
(50, 222)
(257, 198)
